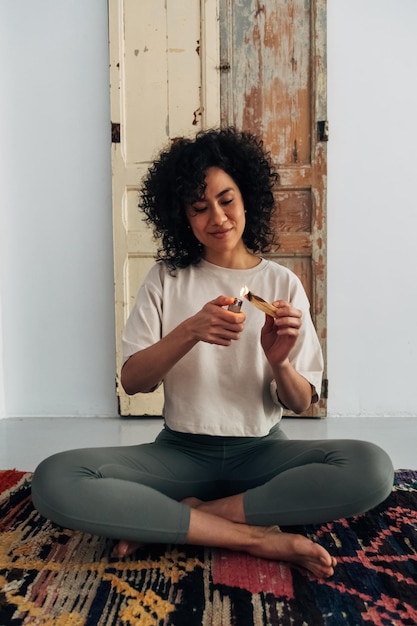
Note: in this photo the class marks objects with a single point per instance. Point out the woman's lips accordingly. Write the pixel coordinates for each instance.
(220, 234)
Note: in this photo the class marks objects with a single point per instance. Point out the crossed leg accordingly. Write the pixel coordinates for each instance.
(140, 493)
(221, 524)
(329, 473)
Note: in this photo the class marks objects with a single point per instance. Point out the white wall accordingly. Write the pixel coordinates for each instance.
(56, 282)
(56, 275)
(372, 207)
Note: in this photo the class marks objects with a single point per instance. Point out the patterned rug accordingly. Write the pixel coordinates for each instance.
(55, 577)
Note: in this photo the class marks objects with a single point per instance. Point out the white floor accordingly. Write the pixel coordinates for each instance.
(25, 442)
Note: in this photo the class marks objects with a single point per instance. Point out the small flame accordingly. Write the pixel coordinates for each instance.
(258, 302)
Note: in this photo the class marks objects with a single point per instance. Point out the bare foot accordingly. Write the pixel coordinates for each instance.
(292, 548)
(267, 543)
(125, 548)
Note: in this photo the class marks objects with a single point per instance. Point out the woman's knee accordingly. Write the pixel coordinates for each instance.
(44, 480)
(374, 471)
(52, 482)
(383, 469)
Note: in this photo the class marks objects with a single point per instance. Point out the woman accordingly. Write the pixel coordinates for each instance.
(221, 473)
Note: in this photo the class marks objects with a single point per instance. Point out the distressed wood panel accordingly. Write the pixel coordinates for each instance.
(160, 73)
(166, 68)
(155, 96)
(293, 244)
(273, 83)
(294, 210)
(268, 50)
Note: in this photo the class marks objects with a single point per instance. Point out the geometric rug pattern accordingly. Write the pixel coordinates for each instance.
(50, 576)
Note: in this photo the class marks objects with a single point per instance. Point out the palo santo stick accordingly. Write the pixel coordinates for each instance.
(260, 303)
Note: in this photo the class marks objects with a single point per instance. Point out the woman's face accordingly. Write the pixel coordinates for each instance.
(218, 218)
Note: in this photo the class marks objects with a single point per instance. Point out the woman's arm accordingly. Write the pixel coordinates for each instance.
(278, 337)
(144, 370)
(293, 390)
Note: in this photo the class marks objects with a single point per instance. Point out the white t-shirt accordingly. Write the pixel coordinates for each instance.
(218, 390)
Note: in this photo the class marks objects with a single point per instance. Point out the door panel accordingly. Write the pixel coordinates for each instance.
(273, 83)
(178, 66)
(155, 71)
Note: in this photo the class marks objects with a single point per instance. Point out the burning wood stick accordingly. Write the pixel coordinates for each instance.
(260, 303)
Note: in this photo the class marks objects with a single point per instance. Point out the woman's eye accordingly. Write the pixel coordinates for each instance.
(198, 209)
(225, 202)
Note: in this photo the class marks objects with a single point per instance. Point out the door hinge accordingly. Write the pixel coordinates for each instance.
(224, 67)
(115, 132)
(117, 390)
(323, 130)
(325, 388)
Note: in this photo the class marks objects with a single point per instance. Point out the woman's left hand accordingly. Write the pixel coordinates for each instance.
(279, 334)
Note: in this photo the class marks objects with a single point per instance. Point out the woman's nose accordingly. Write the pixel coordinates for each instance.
(219, 215)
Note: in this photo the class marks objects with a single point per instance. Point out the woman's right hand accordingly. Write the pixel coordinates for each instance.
(145, 369)
(215, 324)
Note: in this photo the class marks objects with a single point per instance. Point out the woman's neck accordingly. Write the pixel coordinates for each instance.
(242, 261)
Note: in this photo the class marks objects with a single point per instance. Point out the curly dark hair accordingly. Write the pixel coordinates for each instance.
(177, 178)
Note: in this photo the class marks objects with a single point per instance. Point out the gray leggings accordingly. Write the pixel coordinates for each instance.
(135, 492)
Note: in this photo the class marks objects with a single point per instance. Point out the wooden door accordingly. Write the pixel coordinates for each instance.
(174, 71)
(162, 86)
(273, 82)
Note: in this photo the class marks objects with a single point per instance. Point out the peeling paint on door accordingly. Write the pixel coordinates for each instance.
(275, 86)
(155, 96)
